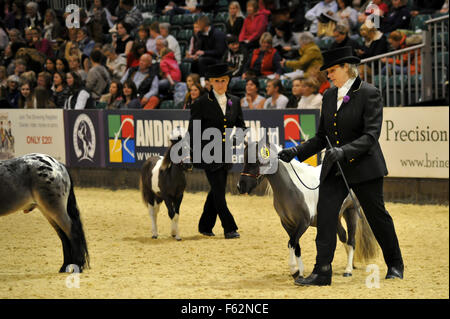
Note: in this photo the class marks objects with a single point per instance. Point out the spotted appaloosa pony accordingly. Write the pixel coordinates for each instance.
(39, 181)
(164, 180)
(297, 208)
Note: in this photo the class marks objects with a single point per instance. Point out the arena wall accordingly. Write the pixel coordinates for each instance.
(407, 190)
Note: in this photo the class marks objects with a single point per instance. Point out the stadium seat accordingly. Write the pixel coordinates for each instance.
(185, 68)
(220, 17)
(262, 86)
(167, 105)
(164, 18)
(189, 19)
(287, 84)
(174, 32)
(182, 49)
(238, 88)
(185, 35)
(177, 22)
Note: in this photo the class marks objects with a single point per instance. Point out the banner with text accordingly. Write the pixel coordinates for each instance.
(32, 131)
(84, 138)
(133, 136)
(414, 141)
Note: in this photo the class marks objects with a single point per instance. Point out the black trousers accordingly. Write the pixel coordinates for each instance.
(332, 193)
(216, 203)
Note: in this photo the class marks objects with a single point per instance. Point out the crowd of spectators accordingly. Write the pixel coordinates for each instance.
(120, 56)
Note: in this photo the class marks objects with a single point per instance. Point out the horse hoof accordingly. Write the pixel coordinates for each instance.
(154, 237)
(296, 275)
(347, 274)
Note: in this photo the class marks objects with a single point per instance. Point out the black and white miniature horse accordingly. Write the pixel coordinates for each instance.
(39, 181)
(164, 180)
(297, 207)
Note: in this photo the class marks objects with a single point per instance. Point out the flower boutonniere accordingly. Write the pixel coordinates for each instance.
(229, 103)
(346, 98)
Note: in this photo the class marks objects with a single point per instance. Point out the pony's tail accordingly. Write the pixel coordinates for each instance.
(80, 252)
(366, 244)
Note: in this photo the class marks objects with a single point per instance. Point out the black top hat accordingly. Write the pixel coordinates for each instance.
(338, 56)
(217, 71)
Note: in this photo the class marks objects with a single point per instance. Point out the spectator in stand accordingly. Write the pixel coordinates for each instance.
(426, 7)
(99, 20)
(276, 99)
(133, 15)
(12, 91)
(50, 65)
(20, 67)
(195, 91)
(142, 35)
(78, 98)
(346, 14)
(145, 78)
(130, 98)
(26, 97)
(372, 9)
(265, 60)
(45, 80)
(194, 43)
(173, 8)
(3, 76)
(323, 81)
(29, 77)
(113, 99)
(70, 46)
(52, 29)
(33, 17)
(190, 80)
(173, 44)
(43, 98)
(170, 70)
(116, 64)
(310, 56)
(154, 35)
(252, 99)
(60, 89)
(397, 40)
(15, 36)
(75, 66)
(296, 93)
(311, 99)
(375, 42)
(137, 50)
(235, 19)
(325, 6)
(255, 24)
(15, 19)
(212, 45)
(236, 57)
(284, 41)
(98, 78)
(62, 65)
(341, 38)
(123, 42)
(85, 44)
(399, 18)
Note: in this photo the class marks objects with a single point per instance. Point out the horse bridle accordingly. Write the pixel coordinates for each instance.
(255, 176)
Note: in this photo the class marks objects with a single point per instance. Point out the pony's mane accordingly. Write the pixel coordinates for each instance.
(166, 163)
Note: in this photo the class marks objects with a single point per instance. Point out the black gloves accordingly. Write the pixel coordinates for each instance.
(287, 154)
(335, 154)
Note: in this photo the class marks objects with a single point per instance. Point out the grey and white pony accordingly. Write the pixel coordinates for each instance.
(296, 206)
(162, 179)
(39, 181)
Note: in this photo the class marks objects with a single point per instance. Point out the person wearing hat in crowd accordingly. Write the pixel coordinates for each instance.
(351, 118)
(235, 57)
(219, 110)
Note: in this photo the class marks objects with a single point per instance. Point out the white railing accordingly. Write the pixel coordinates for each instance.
(397, 83)
(62, 4)
(438, 27)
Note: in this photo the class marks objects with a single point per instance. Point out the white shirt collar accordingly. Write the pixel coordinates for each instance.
(219, 96)
(346, 87)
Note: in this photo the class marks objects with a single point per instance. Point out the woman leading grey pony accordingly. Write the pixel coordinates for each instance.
(351, 118)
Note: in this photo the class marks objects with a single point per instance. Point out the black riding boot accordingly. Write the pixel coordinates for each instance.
(321, 276)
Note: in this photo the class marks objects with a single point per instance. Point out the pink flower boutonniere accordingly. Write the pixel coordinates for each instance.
(346, 99)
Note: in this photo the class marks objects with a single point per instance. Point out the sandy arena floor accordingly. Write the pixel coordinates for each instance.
(127, 263)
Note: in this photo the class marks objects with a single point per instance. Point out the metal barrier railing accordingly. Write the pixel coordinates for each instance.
(438, 27)
(403, 83)
(62, 4)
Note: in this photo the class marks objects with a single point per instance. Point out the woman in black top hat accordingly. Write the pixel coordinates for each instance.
(218, 110)
(351, 118)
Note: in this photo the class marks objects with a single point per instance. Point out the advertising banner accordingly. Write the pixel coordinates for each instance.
(132, 137)
(84, 138)
(32, 131)
(414, 141)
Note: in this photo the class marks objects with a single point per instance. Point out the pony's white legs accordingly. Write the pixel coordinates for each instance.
(293, 267)
(301, 267)
(348, 270)
(153, 211)
(175, 230)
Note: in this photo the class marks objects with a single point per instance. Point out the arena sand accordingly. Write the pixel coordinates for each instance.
(127, 263)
